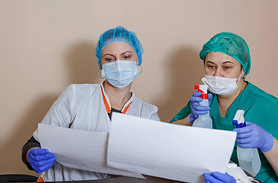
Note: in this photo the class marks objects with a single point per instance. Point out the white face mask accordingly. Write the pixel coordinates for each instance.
(220, 85)
(120, 73)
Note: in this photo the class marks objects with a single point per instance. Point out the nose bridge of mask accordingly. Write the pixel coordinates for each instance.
(125, 65)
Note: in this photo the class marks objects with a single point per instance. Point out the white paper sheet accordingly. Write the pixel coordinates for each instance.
(167, 150)
(79, 149)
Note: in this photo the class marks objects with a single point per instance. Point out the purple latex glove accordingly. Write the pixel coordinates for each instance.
(217, 177)
(196, 109)
(41, 159)
(253, 136)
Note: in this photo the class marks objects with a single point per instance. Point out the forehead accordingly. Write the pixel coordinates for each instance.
(219, 58)
(116, 48)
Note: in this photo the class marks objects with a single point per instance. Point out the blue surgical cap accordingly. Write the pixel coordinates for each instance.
(230, 44)
(119, 34)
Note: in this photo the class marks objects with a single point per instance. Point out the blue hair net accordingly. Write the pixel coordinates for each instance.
(230, 44)
(119, 34)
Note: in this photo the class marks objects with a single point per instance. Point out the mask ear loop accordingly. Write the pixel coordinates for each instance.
(241, 76)
(140, 69)
(242, 73)
(100, 75)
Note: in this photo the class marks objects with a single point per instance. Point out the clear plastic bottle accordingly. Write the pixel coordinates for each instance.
(248, 158)
(203, 121)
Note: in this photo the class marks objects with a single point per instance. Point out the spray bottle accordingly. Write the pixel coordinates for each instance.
(203, 121)
(248, 158)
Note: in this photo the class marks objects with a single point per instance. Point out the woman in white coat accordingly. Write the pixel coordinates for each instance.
(89, 106)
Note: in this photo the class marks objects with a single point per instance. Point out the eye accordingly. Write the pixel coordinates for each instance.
(226, 68)
(210, 66)
(109, 58)
(126, 56)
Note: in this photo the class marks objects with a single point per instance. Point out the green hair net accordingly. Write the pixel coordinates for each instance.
(230, 44)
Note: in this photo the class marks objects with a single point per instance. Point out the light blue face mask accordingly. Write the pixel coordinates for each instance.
(120, 73)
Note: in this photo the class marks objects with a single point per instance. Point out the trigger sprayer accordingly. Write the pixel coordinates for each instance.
(203, 121)
(248, 158)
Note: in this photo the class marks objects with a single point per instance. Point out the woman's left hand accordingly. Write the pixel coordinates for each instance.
(253, 136)
(217, 177)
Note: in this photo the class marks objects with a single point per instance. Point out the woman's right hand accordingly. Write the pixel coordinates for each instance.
(196, 109)
(41, 159)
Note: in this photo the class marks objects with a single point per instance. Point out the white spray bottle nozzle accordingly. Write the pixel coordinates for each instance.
(239, 119)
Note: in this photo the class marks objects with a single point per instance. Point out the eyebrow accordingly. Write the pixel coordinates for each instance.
(113, 55)
(225, 62)
(210, 62)
(108, 54)
(228, 62)
(126, 52)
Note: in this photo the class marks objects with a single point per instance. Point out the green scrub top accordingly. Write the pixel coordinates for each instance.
(260, 108)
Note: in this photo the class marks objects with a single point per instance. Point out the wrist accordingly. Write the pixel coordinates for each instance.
(269, 142)
(27, 157)
(191, 118)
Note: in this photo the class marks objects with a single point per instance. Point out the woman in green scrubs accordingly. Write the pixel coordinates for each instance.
(226, 63)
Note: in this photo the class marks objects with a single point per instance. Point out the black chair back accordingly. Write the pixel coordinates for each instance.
(17, 178)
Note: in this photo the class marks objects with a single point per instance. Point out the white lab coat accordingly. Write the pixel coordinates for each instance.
(81, 107)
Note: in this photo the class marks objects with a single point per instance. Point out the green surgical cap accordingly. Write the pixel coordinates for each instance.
(230, 44)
